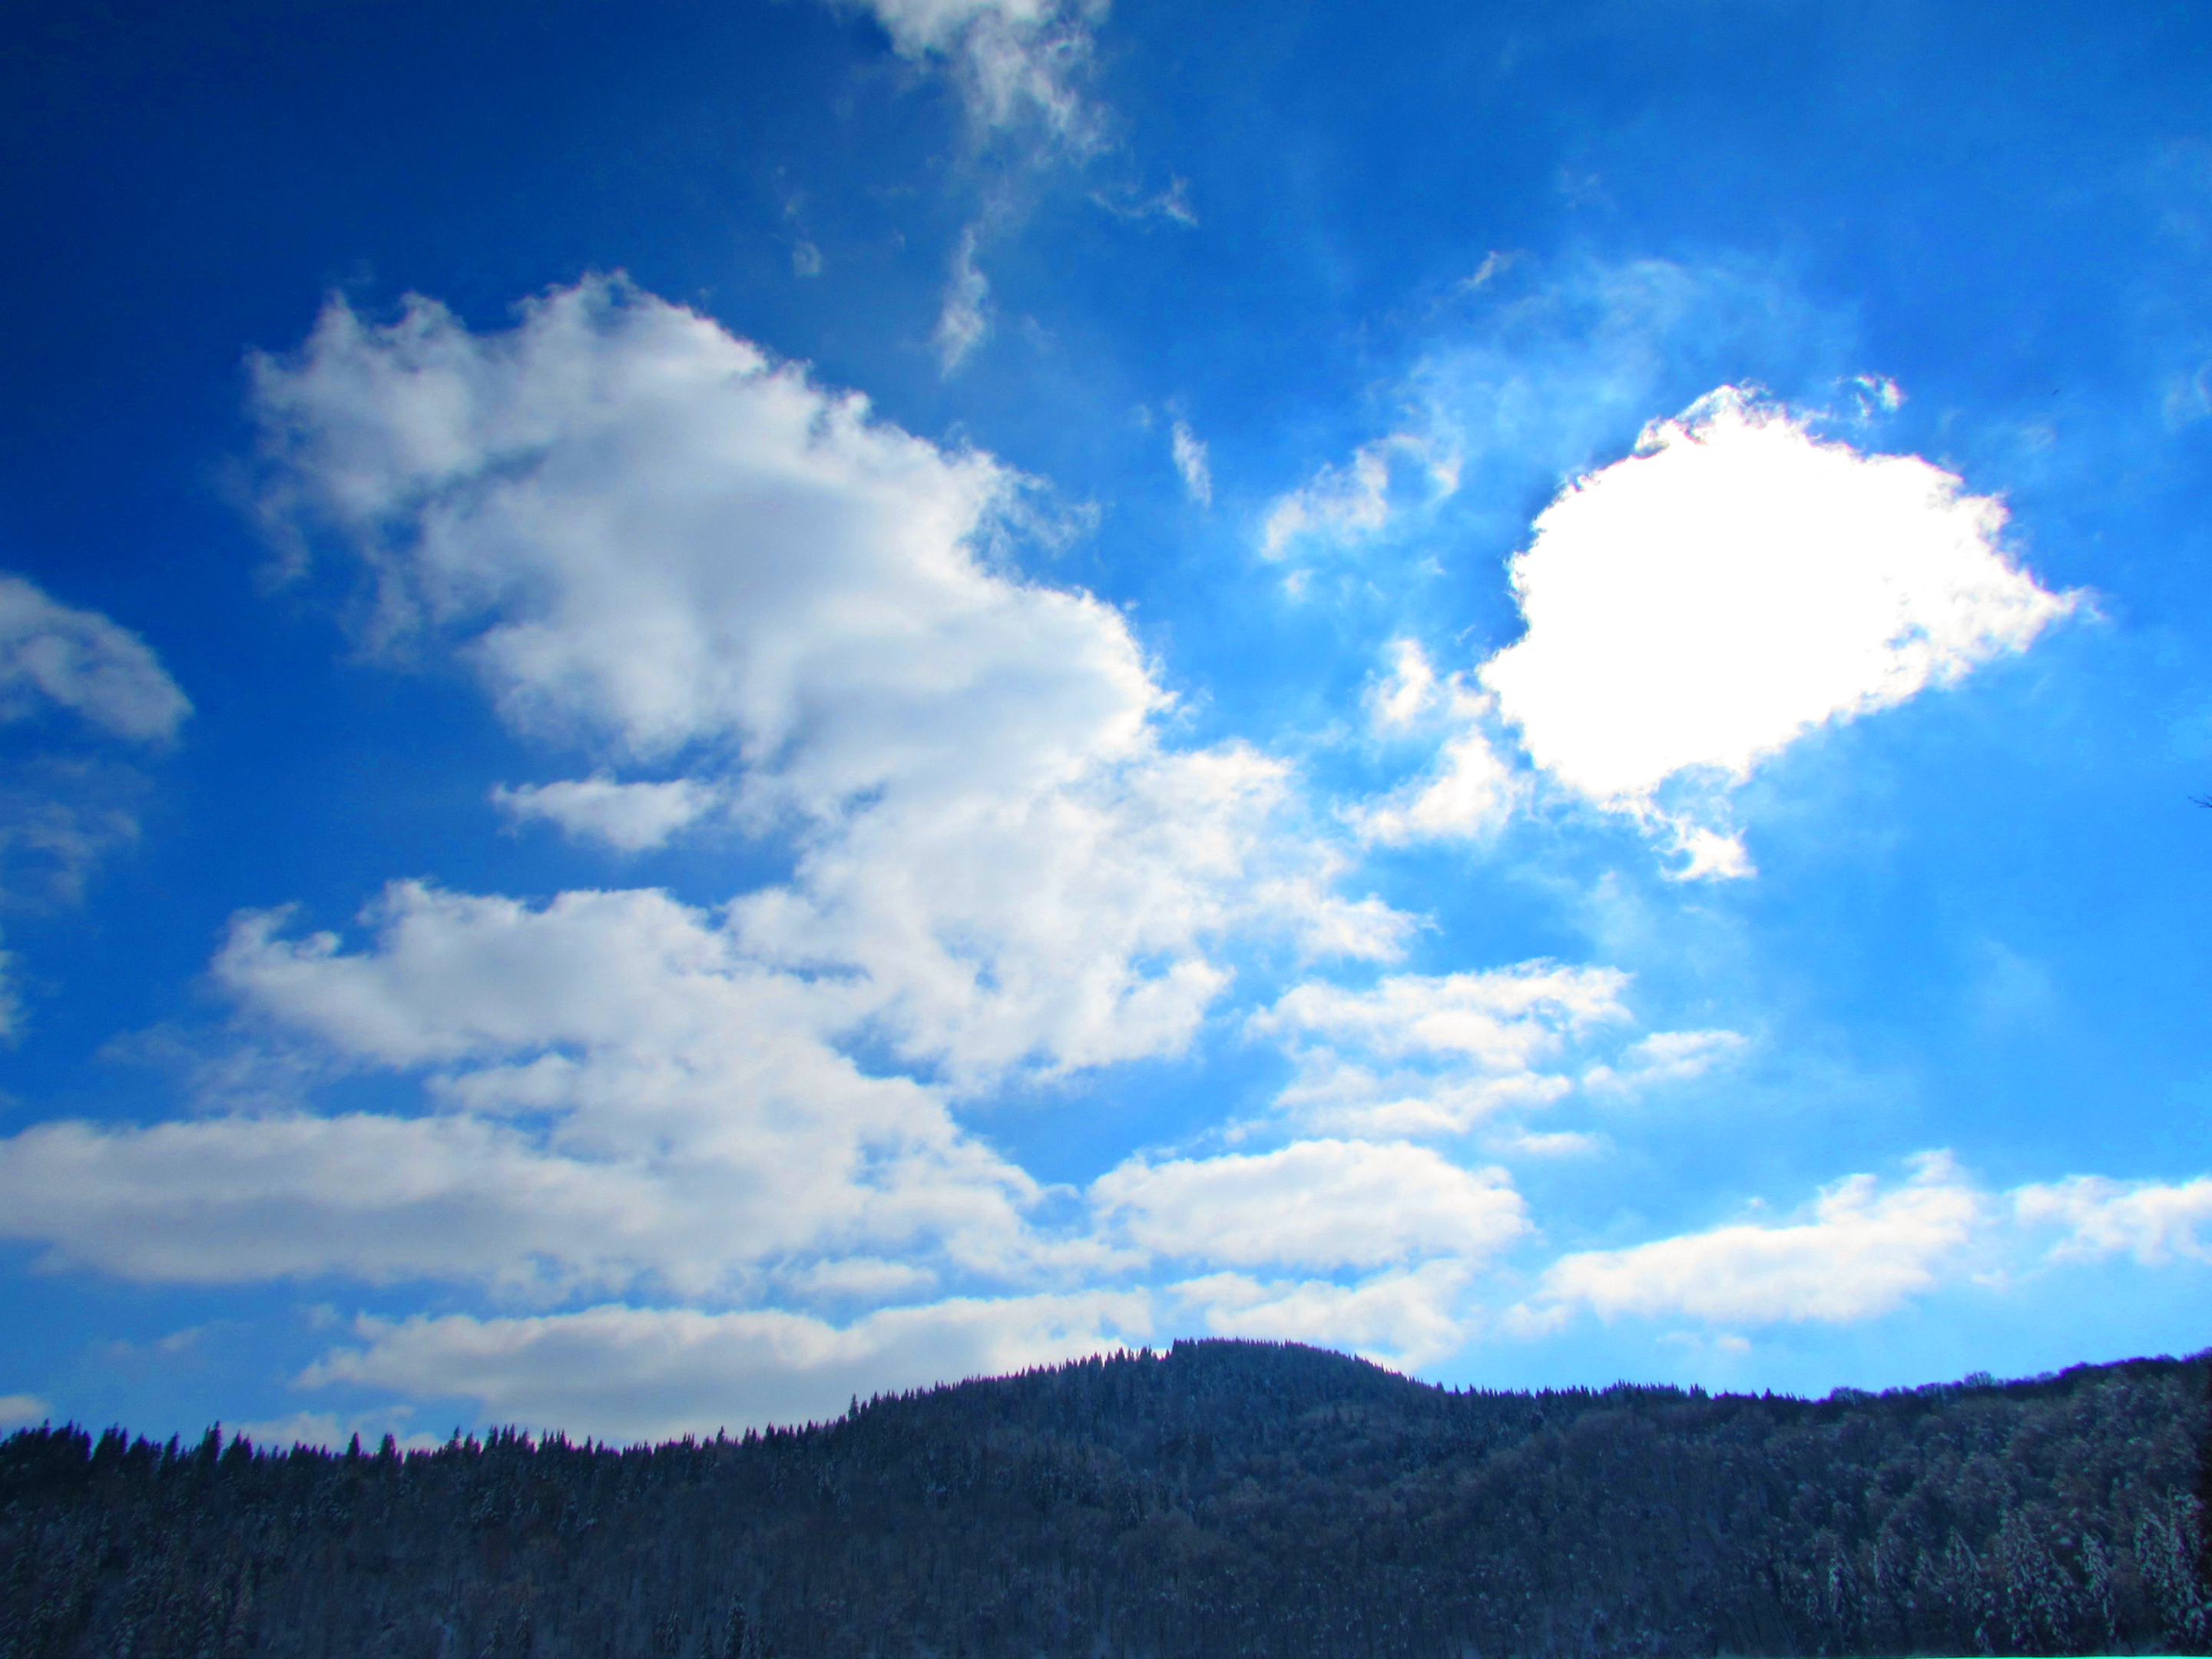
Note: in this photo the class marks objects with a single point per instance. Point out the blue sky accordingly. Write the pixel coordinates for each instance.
(709, 706)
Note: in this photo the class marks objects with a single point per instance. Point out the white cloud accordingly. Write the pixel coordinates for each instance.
(964, 317)
(1861, 1252)
(644, 535)
(233, 1199)
(1127, 200)
(1352, 1098)
(1470, 791)
(1345, 504)
(1494, 264)
(62, 811)
(1408, 691)
(1665, 1057)
(1696, 608)
(1469, 788)
(1557, 1143)
(1190, 463)
(1065, 930)
(1407, 1318)
(616, 1095)
(630, 1374)
(639, 530)
(19, 1408)
(2153, 1221)
(1317, 1204)
(1329, 924)
(648, 540)
(1017, 62)
(620, 1096)
(1504, 1018)
(1423, 1054)
(51, 653)
(630, 817)
(1553, 370)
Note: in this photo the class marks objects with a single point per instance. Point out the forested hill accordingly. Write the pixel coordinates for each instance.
(1221, 1499)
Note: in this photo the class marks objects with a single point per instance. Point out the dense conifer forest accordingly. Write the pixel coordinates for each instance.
(1219, 1498)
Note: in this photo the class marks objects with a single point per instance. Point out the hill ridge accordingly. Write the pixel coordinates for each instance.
(1218, 1497)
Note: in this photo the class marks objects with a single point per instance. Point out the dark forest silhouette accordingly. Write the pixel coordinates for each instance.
(1220, 1498)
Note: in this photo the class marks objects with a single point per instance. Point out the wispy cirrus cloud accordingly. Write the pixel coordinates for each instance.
(1470, 789)
(1344, 504)
(965, 317)
(54, 655)
(77, 684)
(1188, 452)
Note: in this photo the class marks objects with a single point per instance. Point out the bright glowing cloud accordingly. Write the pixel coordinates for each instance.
(1737, 582)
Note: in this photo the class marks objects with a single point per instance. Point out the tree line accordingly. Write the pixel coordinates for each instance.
(1219, 1498)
